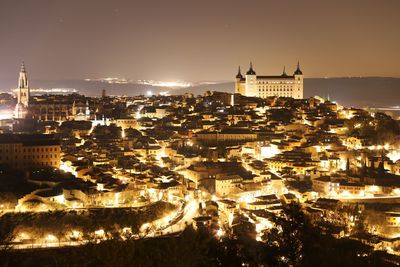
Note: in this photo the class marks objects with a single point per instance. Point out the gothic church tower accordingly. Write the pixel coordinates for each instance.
(23, 94)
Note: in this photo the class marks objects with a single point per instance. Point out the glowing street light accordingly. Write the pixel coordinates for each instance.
(75, 234)
(51, 238)
(220, 233)
(99, 233)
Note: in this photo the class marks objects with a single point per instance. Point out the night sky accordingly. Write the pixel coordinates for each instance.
(198, 40)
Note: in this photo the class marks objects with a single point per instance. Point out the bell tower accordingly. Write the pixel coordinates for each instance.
(23, 94)
(23, 87)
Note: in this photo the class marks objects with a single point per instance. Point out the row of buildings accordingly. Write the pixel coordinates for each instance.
(51, 108)
(239, 157)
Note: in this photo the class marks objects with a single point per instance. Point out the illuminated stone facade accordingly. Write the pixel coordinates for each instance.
(284, 85)
(29, 151)
(23, 95)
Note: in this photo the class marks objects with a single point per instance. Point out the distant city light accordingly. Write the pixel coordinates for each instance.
(109, 80)
(168, 84)
(165, 93)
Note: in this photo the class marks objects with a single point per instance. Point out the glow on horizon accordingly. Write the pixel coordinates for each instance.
(38, 91)
(171, 84)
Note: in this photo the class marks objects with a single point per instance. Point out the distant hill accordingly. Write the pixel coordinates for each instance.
(353, 91)
(360, 92)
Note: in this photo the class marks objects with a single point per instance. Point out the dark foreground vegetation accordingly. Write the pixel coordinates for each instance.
(299, 244)
(89, 219)
(60, 223)
(199, 248)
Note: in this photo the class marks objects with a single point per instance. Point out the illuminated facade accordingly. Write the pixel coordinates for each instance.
(29, 151)
(45, 108)
(284, 85)
(60, 108)
(80, 113)
(393, 219)
(23, 95)
(226, 135)
(126, 123)
(226, 184)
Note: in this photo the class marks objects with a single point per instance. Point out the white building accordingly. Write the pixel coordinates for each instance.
(227, 184)
(265, 86)
(81, 113)
(23, 94)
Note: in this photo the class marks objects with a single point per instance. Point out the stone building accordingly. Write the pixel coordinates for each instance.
(29, 151)
(283, 85)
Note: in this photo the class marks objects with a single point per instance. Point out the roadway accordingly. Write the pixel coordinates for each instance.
(161, 227)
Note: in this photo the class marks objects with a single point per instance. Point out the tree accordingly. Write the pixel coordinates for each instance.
(7, 235)
(287, 239)
(359, 221)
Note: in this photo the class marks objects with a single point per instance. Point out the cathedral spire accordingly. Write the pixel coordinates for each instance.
(23, 67)
(21, 109)
(23, 78)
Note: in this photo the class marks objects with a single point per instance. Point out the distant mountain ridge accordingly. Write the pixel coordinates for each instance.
(352, 91)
